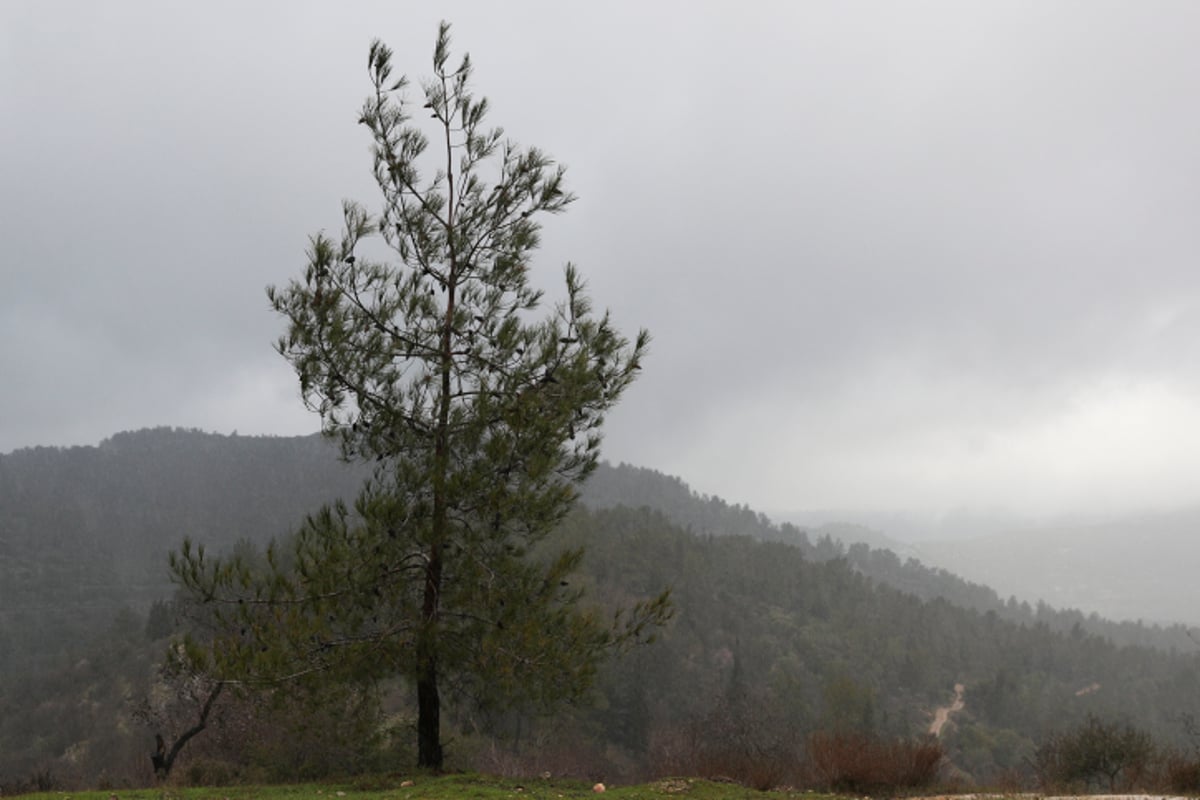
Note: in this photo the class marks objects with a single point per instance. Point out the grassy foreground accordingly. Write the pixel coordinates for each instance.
(445, 787)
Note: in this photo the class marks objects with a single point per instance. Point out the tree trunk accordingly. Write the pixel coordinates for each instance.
(162, 759)
(429, 702)
(429, 725)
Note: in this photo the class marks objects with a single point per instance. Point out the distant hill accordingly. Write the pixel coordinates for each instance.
(851, 534)
(778, 629)
(1133, 568)
(638, 487)
(923, 569)
(85, 531)
(1130, 567)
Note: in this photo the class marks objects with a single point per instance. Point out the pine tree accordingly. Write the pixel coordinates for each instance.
(481, 416)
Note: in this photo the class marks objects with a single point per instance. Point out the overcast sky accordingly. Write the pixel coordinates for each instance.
(894, 255)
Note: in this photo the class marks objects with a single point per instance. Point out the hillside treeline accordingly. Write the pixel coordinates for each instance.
(776, 636)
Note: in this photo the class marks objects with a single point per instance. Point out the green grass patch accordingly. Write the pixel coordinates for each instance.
(444, 787)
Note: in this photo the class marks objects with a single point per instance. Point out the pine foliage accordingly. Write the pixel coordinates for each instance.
(481, 418)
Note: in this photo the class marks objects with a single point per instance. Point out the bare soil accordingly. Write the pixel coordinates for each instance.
(942, 715)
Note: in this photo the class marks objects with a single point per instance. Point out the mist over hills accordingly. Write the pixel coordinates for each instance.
(1124, 567)
(1137, 567)
(898, 530)
(89, 528)
(809, 631)
(1129, 568)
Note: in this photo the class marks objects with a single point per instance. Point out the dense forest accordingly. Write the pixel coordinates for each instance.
(778, 633)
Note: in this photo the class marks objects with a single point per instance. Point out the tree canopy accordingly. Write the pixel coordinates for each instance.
(481, 416)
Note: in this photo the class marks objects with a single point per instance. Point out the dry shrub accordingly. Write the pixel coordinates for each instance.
(562, 755)
(750, 747)
(1012, 781)
(1181, 773)
(211, 772)
(671, 751)
(758, 770)
(39, 781)
(854, 762)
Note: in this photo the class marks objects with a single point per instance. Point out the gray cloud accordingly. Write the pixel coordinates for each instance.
(893, 255)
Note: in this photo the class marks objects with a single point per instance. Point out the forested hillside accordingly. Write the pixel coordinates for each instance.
(637, 487)
(775, 636)
(85, 531)
(806, 644)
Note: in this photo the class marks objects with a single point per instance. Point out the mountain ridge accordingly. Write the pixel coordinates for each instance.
(785, 630)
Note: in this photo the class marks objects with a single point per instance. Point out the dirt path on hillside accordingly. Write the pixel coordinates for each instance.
(942, 715)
